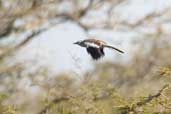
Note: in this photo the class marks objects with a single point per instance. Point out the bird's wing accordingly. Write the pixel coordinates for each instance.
(96, 53)
(111, 47)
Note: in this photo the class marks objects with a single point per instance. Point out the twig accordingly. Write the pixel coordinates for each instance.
(148, 16)
(21, 44)
(55, 101)
(151, 97)
(132, 109)
(75, 17)
(9, 69)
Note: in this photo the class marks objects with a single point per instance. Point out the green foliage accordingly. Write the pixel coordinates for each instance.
(100, 97)
(141, 87)
(6, 109)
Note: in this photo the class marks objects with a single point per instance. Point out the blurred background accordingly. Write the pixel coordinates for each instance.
(42, 72)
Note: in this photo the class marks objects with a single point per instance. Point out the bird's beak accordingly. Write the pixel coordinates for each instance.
(75, 43)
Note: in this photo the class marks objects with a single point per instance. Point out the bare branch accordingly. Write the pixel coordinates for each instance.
(9, 69)
(151, 97)
(55, 101)
(83, 12)
(6, 25)
(21, 44)
(147, 17)
(132, 109)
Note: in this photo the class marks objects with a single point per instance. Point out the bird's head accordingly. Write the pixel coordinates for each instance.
(80, 43)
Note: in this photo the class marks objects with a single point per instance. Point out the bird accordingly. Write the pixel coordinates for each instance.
(96, 47)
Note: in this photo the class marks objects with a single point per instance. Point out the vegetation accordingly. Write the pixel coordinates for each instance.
(141, 87)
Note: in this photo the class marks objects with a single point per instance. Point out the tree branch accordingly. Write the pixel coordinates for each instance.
(21, 44)
(132, 109)
(148, 16)
(55, 101)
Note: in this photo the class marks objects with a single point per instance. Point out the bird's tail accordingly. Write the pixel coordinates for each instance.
(111, 47)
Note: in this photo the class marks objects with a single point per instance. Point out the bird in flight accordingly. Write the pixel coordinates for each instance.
(96, 47)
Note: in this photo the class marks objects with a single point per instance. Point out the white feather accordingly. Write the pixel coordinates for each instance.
(92, 44)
